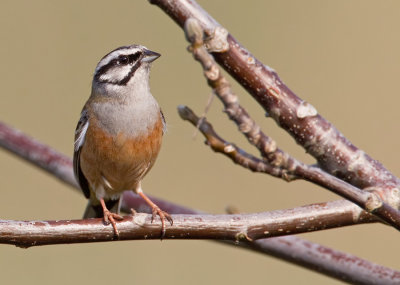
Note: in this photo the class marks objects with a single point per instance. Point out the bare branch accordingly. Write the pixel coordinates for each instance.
(313, 256)
(339, 265)
(333, 151)
(237, 227)
(61, 166)
(289, 248)
(277, 158)
(38, 154)
(367, 200)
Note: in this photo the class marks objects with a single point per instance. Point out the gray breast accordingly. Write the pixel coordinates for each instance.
(132, 118)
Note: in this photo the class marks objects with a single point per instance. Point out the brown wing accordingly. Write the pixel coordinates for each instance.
(80, 133)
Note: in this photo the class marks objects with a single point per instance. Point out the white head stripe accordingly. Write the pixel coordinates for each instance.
(116, 53)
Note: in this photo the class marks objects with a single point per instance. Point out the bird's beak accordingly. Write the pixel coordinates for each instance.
(150, 56)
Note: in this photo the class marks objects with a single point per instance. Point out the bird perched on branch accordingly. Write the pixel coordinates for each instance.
(119, 134)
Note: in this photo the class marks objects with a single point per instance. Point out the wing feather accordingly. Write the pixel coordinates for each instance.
(80, 134)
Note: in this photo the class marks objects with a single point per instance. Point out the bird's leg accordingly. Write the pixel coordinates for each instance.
(110, 217)
(156, 211)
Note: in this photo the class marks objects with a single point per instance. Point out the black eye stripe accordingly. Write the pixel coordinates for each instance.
(128, 59)
(132, 58)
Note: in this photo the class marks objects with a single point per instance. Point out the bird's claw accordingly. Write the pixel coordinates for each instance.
(156, 211)
(110, 218)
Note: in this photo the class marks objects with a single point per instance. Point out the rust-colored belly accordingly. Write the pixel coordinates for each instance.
(118, 163)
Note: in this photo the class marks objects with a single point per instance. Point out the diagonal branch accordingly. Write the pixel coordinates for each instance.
(222, 89)
(277, 158)
(336, 264)
(334, 153)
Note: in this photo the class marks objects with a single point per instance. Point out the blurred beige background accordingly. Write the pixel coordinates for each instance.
(341, 56)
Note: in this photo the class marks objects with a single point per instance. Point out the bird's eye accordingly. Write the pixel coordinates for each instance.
(123, 60)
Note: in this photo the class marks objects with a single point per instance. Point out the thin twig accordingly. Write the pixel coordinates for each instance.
(236, 154)
(206, 109)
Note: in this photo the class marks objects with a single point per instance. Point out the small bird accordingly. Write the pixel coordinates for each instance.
(119, 134)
